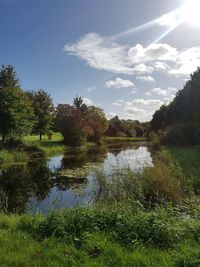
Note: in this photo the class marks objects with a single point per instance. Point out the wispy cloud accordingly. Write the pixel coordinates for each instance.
(146, 79)
(171, 91)
(119, 83)
(102, 53)
(91, 89)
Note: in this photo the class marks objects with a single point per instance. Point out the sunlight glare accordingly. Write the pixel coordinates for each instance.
(190, 12)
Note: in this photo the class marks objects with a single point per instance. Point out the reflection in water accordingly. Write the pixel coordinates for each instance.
(41, 185)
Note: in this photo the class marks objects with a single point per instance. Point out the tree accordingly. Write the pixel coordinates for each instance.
(79, 123)
(70, 122)
(44, 112)
(180, 120)
(96, 123)
(16, 115)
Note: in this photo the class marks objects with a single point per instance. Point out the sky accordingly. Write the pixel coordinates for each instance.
(128, 57)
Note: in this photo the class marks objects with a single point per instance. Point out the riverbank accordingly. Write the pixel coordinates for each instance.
(30, 147)
(108, 139)
(46, 148)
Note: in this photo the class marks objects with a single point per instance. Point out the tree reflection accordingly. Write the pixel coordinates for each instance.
(15, 189)
(19, 183)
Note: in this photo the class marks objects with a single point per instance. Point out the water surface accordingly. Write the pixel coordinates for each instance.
(64, 180)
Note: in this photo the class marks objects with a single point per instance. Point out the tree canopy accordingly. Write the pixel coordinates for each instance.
(16, 115)
(79, 122)
(182, 115)
(43, 108)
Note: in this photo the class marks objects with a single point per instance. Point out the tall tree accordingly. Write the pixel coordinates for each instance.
(44, 112)
(16, 116)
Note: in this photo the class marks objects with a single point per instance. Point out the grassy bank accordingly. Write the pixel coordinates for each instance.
(124, 139)
(31, 146)
(12, 157)
(51, 147)
(188, 158)
(100, 237)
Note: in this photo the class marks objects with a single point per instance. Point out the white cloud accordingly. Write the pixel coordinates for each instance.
(119, 102)
(159, 91)
(139, 108)
(146, 78)
(110, 115)
(91, 89)
(161, 66)
(143, 102)
(119, 83)
(87, 101)
(153, 52)
(162, 92)
(134, 111)
(102, 53)
(187, 61)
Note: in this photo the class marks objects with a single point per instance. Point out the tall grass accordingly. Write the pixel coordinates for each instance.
(7, 156)
(160, 184)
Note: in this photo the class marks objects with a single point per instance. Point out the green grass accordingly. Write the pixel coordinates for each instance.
(124, 139)
(12, 157)
(105, 237)
(49, 147)
(56, 137)
(188, 159)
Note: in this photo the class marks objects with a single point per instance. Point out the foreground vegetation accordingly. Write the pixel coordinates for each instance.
(100, 237)
(146, 219)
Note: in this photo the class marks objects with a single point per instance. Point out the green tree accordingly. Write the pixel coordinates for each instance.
(43, 111)
(16, 115)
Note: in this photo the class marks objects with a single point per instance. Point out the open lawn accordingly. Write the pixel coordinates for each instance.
(56, 137)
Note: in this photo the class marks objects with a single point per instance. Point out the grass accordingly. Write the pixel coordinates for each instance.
(56, 137)
(100, 237)
(49, 147)
(188, 159)
(124, 139)
(12, 157)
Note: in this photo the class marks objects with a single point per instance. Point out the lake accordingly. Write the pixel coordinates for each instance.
(65, 180)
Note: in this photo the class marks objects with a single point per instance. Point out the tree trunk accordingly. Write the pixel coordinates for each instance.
(40, 137)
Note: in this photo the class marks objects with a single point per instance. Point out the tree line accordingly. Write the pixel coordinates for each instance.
(33, 112)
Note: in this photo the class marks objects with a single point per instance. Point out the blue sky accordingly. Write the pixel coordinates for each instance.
(95, 49)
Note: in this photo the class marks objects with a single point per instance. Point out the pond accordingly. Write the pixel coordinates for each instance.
(64, 180)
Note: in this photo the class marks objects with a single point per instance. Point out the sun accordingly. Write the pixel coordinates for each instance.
(190, 12)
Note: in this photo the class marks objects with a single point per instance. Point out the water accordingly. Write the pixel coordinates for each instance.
(65, 180)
